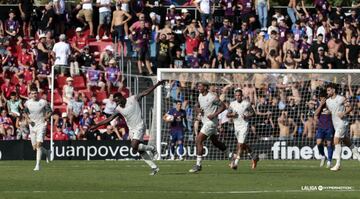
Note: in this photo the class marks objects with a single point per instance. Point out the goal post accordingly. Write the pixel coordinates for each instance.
(290, 93)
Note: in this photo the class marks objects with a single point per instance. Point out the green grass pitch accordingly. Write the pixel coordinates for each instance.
(130, 179)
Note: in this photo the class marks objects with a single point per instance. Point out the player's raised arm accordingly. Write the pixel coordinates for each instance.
(348, 108)
(319, 108)
(221, 108)
(149, 90)
(48, 111)
(107, 120)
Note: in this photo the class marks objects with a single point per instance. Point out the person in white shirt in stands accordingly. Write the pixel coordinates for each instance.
(340, 108)
(37, 113)
(61, 52)
(86, 14)
(104, 17)
(206, 9)
(130, 109)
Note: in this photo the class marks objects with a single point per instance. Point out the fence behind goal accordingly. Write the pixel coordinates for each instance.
(273, 94)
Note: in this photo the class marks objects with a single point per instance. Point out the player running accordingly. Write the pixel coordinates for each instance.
(339, 108)
(130, 109)
(325, 130)
(177, 119)
(37, 112)
(210, 107)
(241, 111)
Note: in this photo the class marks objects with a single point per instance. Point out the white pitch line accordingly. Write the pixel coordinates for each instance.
(174, 192)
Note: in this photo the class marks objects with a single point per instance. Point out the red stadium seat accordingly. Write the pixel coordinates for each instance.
(61, 81)
(100, 96)
(79, 82)
(87, 93)
(57, 99)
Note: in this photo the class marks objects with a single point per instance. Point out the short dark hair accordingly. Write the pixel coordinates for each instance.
(178, 101)
(331, 85)
(117, 95)
(322, 93)
(33, 88)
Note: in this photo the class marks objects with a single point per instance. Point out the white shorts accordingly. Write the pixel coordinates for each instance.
(209, 129)
(241, 134)
(341, 131)
(37, 133)
(137, 134)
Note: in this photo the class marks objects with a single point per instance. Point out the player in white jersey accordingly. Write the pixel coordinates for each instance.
(210, 107)
(241, 111)
(339, 108)
(37, 112)
(130, 109)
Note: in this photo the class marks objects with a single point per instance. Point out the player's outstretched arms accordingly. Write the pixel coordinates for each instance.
(149, 90)
(107, 120)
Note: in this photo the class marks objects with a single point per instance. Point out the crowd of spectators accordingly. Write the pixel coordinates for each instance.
(34, 39)
(284, 105)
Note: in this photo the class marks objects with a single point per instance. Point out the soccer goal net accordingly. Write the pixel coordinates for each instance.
(284, 101)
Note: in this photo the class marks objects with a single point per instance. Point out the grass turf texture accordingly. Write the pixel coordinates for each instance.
(130, 179)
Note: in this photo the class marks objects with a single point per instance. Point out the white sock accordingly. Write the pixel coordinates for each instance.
(236, 162)
(143, 147)
(38, 156)
(337, 154)
(198, 160)
(145, 156)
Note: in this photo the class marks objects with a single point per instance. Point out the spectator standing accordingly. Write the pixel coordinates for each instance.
(60, 16)
(141, 38)
(163, 52)
(291, 10)
(61, 53)
(85, 15)
(119, 27)
(229, 7)
(42, 52)
(26, 9)
(47, 20)
(262, 8)
(206, 9)
(104, 18)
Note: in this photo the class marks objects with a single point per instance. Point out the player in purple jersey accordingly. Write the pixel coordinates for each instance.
(177, 119)
(325, 130)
